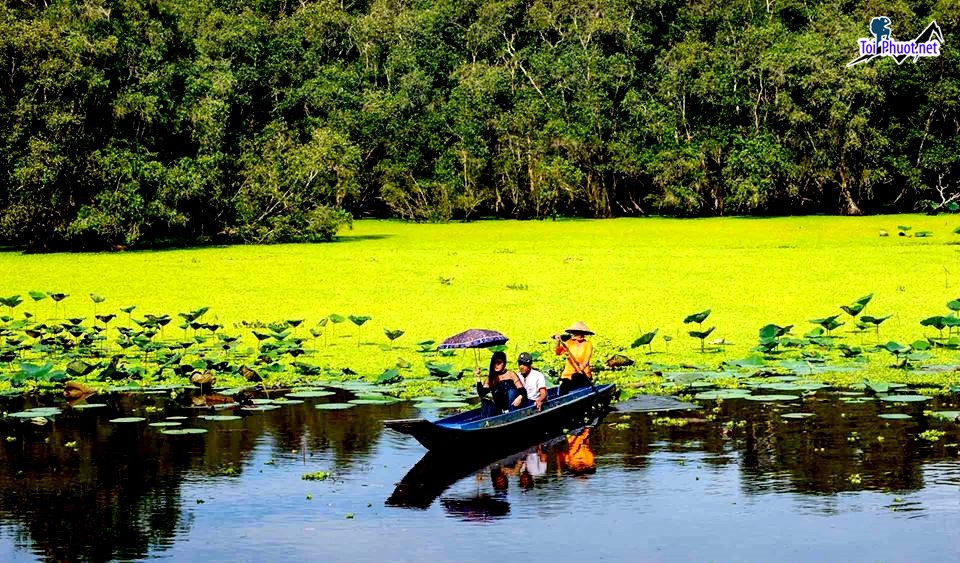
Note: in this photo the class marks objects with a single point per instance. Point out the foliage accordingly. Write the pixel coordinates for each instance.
(151, 123)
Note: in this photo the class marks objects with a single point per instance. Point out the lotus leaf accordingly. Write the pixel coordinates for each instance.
(126, 419)
(219, 417)
(697, 317)
(333, 406)
(938, 322)
(749, 362)
(805, 386)
(645, 339)
(441, 405)
(701, 334)
(393, 334)
(772, 397)
(86, 406)
(797, 415)
(37, 411)
(384, 401)
(905, 398)
(895, 416)
(359, 319)
(722, 394)
(896, 348)
(310, 393)
(258, 408)
(164, 424)
(184, 431)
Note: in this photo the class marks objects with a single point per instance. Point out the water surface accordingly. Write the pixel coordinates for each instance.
(735, 483)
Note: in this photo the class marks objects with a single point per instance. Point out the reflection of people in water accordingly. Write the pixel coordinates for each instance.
(578, 456)
(498, 476)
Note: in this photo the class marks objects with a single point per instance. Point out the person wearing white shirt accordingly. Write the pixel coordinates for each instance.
(533, 380)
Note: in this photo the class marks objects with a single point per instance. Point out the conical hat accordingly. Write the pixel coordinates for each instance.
(579, 326)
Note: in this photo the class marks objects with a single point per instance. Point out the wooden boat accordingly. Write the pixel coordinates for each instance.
(469, 431)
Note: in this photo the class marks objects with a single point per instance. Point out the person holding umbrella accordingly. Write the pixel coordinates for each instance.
(504, 386)
(576, 372)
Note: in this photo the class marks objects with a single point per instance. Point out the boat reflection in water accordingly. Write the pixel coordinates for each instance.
(494, 474)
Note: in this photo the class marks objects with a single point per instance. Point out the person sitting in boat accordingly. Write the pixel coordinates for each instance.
(504, 387)
(533, 381)
(577, 372)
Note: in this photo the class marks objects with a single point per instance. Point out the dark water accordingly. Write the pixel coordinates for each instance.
(740, 483)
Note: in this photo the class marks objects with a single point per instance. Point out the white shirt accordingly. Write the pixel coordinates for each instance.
(533, 382)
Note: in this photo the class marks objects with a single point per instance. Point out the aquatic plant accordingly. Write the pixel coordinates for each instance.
(701, 334)
(645, 339)
(359, 320)
(857, 306)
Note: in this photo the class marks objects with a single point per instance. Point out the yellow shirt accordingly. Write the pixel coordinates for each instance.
(579, 354)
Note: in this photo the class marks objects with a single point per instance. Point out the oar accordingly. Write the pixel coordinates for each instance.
(577, 365)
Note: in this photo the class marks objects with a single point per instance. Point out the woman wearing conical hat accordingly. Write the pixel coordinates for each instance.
(579, 350)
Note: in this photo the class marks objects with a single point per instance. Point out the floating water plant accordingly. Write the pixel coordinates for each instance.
(392, 334)
(11, 302)
(905, 398)
(875, 321)
(938, 322)
(932, 435)
(391, 375)
(336, 319)
(701, 334)
(183, 431)
(309, 393)
(359, 320)
(827, 323)
(443, 371)
(770, 337)
(645, 339)
(857, 306)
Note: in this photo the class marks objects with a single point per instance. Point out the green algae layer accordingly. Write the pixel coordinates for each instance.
(529, 280)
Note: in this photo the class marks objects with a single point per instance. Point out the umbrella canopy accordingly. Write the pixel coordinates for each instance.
(474, 338)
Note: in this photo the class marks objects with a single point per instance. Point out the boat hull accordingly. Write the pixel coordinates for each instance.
(520, 428)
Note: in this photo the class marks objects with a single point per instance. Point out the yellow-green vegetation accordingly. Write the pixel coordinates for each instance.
(529, 280)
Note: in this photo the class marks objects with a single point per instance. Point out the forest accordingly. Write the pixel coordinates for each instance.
(144, 123)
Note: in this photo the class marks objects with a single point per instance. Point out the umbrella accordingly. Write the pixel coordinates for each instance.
(474, 338)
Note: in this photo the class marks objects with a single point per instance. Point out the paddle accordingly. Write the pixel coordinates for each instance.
(576, 363)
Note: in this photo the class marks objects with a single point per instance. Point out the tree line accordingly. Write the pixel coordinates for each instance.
(143, 122)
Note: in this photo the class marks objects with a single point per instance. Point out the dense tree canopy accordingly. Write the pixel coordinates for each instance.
(133, 122)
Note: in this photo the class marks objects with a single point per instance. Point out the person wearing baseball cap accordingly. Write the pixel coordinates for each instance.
(533, 380)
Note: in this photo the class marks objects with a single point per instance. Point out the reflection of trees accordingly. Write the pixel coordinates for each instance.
(117, 494)
(838, 449)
